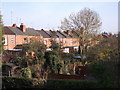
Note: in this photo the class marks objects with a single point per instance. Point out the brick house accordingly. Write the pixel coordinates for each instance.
(16, 36)
(67, 42)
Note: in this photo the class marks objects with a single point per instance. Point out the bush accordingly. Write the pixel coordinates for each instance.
(53, 84)
(26, 72)
(14, 82)
(68, 84)
(102, 73)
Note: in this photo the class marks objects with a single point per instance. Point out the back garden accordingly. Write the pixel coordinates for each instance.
(57, 70)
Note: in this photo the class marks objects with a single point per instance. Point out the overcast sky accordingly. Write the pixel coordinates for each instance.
(48, 15)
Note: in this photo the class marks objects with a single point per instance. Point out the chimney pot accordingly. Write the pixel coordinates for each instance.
(14, 25)
(68, 32)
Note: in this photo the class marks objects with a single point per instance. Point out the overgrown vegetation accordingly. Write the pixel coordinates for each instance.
(14, 82)
(104, 60)
(53, 58)
(26, 72)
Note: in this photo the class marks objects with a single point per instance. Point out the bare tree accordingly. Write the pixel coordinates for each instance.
(85, 18)
(87, 23)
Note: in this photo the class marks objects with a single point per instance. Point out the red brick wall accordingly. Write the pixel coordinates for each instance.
(10, 44)
(18, 39)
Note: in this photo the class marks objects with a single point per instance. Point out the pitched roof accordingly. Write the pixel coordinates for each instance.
(60, 34)
(65, 34)
(13, 31)
(71, 34)
(8, 31)
(43, 33)
(74, 34)
(52, 34)
(16, 30)
(32, 32)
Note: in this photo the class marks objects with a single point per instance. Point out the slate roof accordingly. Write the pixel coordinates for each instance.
(52, 34)
(43, 33)
(32, 32)
(59, 34)
(67, 36)
(74, 34)
(16, 30)
(7, 31)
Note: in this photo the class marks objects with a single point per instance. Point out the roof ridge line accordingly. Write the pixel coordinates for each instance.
(61, 33)
(54, 33)
(45, 32)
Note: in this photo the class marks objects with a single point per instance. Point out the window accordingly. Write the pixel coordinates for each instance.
(25, 40)
(74, 42)
(6, 41)
(65, 42)
(57, 41)
(41, 40)
(71, 41)
(45, 42)
(12, 40)
(30, 40)
(61, 42)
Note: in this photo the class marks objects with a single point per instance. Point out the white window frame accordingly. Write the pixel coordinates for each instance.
(12, 39)
(57, 41)
(6, 41)
(65, 41)
(71, 41)
(45, 42)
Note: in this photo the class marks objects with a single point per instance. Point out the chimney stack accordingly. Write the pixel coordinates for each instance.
(14, 25)
(68, 32)
(23, 27)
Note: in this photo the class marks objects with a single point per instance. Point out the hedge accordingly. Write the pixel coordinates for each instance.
(52, 84)
(59, 84)
(17, 82)
(14, 82)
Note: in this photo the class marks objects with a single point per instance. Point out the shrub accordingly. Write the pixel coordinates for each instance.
(102, 73)
(53, 84)
(15, 82)
(68, 84)
(26, 72)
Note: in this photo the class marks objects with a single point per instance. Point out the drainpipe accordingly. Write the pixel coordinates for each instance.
(7, 42)
(15, 40)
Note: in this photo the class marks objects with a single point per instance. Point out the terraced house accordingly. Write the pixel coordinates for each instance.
(16, 36)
